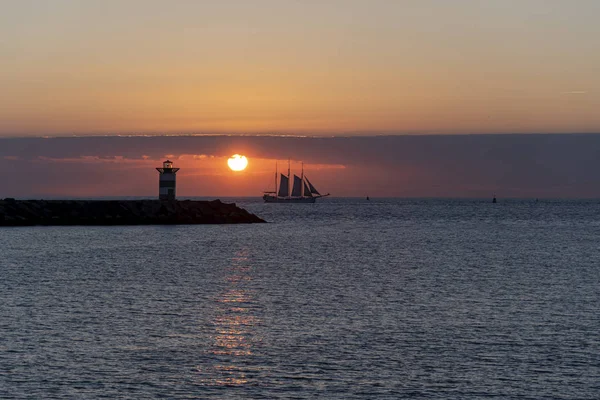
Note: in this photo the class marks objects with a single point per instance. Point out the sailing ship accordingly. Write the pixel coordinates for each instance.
(302, 190)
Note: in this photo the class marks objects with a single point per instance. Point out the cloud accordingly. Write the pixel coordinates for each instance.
(449, 166)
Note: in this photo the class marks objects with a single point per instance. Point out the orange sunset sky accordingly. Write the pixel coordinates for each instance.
(299, 67)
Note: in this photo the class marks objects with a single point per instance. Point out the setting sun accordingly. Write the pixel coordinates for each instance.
(237, 162)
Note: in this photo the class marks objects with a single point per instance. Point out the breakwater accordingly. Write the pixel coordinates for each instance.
(121, 212)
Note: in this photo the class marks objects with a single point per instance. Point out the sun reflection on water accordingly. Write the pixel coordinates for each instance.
(234, 322)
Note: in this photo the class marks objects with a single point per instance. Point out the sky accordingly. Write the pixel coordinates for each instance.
(467, 166)
(347, 67)
(400, 98)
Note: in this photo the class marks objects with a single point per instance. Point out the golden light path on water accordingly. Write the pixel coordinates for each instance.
(234, 325)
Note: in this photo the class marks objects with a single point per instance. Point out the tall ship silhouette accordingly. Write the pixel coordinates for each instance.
(302, 190)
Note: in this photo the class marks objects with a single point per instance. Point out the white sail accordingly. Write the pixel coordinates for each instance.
(284, 186)
(312, 188)
(297, 188)
(307, 192)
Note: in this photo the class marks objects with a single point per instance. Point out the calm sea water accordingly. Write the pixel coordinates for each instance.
(448, 299)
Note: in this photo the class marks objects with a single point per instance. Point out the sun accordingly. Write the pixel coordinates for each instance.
(237, 162)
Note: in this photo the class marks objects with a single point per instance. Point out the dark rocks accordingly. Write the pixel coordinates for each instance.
(121, 212)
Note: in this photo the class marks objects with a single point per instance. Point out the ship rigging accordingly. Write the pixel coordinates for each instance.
(302, 190)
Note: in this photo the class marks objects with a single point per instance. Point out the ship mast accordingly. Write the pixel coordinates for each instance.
(302, 181)
(276, 178)
(289, 178)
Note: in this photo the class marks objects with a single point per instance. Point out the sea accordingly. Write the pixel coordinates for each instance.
(341, 299)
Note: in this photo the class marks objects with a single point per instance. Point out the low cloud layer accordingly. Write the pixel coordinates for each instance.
(412, 166)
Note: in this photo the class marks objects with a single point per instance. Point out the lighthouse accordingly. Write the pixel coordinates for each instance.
(166, 181)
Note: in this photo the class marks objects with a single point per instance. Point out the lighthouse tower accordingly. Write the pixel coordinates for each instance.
(166, 181)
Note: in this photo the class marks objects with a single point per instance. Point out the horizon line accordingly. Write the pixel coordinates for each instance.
(219, 197)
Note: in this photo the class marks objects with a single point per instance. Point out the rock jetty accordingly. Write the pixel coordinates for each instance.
(121, 212)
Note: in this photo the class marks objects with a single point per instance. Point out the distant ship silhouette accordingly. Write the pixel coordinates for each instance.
(302, 191)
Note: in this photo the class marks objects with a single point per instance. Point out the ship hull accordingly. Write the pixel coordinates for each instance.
(275, 199)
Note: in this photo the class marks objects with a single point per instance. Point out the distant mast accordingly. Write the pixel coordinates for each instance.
(166, 181)
(302, 194)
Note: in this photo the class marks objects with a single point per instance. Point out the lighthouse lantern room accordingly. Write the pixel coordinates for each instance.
(166, 181)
